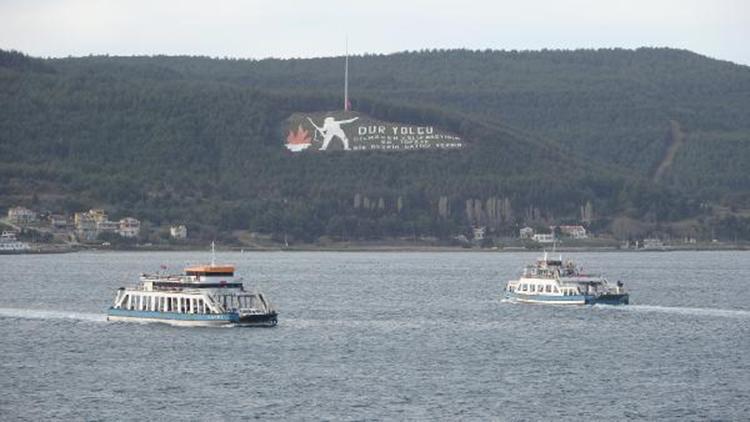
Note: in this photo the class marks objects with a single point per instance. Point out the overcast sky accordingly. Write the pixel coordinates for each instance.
(279, 28)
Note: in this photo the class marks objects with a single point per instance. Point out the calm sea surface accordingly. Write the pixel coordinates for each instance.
(381, 336)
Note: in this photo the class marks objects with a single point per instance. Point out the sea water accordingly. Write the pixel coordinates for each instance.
(381, 336)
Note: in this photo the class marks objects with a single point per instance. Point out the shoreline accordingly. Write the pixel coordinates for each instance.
(47, 250)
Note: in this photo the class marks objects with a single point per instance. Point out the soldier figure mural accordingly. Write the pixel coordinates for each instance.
(332, 128)
(360, 132)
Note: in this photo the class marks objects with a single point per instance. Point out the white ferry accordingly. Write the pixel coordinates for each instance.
(556, 282)
(9, 244)
(206, 295)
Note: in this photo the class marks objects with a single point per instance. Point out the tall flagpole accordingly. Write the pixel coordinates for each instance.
(346, 77)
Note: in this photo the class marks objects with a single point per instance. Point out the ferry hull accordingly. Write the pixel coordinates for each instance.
(609, 299)
(192, 320)
(14, 252)
(262, 320)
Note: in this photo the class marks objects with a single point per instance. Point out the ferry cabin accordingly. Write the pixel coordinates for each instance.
(186, 302)
(9, 243)
(547, 291)
(538, 287)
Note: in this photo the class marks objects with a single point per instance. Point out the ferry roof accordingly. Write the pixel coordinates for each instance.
(210, 269)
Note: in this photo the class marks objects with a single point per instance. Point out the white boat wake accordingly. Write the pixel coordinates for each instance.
(680, 310)
(42, 314)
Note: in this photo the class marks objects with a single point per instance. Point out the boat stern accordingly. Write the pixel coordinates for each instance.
(268, 319)
(609, 299)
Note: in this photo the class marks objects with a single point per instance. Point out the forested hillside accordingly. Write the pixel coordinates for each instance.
(650, 135)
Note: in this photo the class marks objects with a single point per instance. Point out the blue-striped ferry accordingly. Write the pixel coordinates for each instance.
(552, 281)
(205, 295)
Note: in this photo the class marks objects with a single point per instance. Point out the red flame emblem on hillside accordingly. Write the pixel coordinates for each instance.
(301, 136)
(299, 140)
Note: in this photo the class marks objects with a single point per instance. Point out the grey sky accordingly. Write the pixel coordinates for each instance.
(257, 29)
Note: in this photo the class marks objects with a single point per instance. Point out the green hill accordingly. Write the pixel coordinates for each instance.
(199, 140)
(610, 105)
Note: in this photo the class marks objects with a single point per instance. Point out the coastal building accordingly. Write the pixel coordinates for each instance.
(106, 226)
(178, 232)
(654, 244)
(544, 238)
(575, 232)
(479, 233)
(90, 224)
(85, 225)
(129, 227)
(526, 233)
(21, 215)
(98, 215)
(58, 221)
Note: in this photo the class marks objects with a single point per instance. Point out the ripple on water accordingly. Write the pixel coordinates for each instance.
(381, 336)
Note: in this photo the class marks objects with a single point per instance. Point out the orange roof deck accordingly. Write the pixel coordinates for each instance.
(211, 269)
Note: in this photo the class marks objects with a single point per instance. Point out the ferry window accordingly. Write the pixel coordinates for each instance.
(548, 289)
(533, 288)
(554, 289)
(525, 287)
